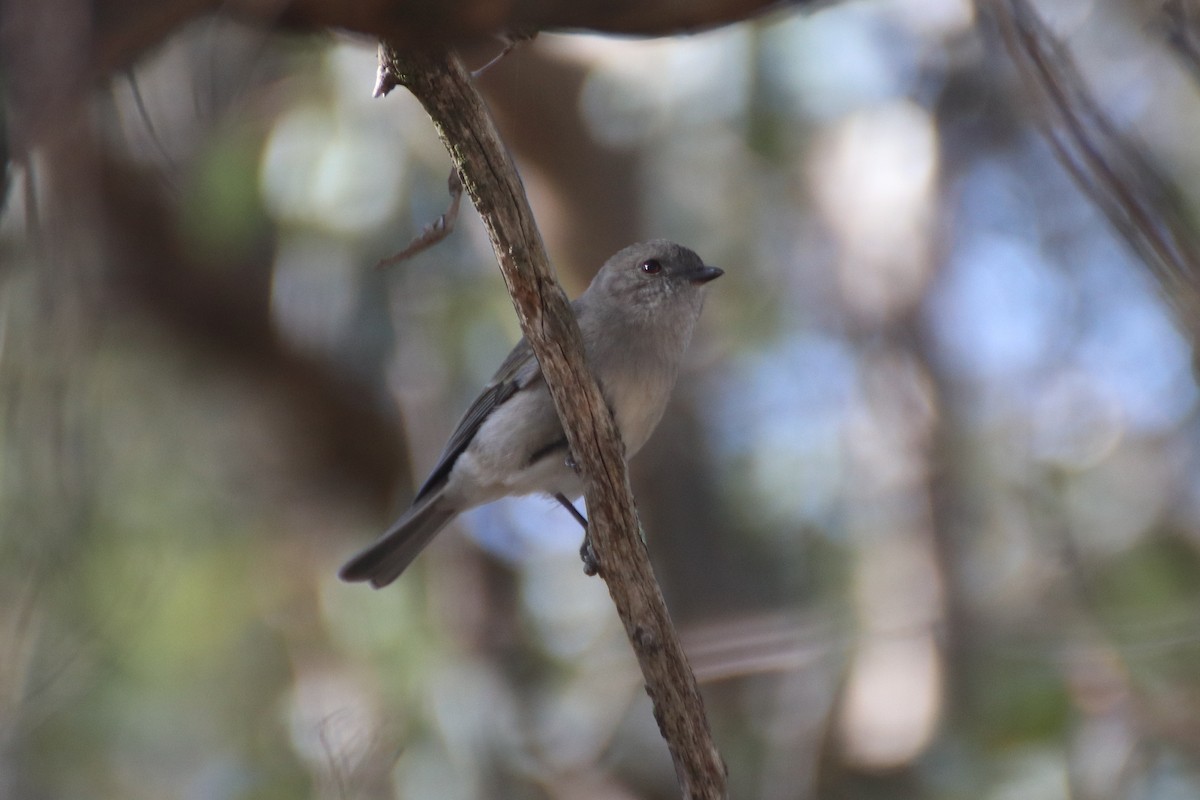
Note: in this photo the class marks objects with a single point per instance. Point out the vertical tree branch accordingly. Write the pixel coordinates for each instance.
(441, 83)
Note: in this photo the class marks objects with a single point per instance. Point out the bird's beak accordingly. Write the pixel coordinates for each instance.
(705, 274)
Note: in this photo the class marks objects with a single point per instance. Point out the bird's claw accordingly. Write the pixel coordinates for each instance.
(591, 564)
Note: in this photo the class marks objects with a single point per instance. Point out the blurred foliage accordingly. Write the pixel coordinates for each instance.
(926, 506)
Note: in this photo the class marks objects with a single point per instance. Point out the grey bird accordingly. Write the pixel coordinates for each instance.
(636, 318)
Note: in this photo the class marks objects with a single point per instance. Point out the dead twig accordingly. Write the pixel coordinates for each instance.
(435, 231)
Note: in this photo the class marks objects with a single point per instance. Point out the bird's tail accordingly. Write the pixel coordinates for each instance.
(382, 562)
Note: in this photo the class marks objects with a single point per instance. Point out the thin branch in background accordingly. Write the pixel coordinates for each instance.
(757, 644)
(6, 162)
(1183, 33)
(33, 213)
(442, 85)
(510, 40)
(1114, 171)
(139, 101)
(435, 231)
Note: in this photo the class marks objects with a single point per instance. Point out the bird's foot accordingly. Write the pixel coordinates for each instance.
(591, 564)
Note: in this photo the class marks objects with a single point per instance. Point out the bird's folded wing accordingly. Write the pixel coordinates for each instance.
(518, 371)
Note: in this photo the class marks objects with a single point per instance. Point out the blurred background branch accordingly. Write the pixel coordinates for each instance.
(1148, 210)
(1182, 24)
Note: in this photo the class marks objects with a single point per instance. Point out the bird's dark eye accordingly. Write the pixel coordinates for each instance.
(651, 267)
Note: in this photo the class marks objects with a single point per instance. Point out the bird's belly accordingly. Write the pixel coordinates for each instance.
(515, 453)
(549, 475)
(638, 404)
